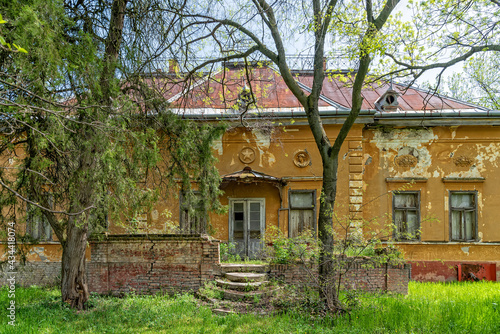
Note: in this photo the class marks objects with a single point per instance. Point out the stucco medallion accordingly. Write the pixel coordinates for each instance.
(302, 159)
(247, 155)
(406, 160)
(463, 161)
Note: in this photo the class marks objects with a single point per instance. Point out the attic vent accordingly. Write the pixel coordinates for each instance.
(388, 101)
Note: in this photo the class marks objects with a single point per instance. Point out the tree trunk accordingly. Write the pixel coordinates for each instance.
(112, 47)
(327, 270)
(74, 289)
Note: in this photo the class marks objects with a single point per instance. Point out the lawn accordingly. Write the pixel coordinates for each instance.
(428, 308)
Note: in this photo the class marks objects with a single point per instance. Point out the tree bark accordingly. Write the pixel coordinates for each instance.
(74, 288)
(326, 268)
(112, 47)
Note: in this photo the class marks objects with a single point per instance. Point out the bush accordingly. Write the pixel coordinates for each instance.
(283, 250)
(228, 252)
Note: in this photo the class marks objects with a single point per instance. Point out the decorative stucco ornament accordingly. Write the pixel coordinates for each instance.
(463, 161)
(247, 155)
(302, 159)
(406, 160)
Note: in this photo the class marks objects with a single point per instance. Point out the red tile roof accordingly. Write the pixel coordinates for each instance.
(220, 93)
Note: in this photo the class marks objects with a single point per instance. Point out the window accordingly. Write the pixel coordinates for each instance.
(37, 225)
(302, 212)
(463, 215)
(406, 215)
(193, 218)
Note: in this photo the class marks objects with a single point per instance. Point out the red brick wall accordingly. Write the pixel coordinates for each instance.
(446, 271)
(360, 276)
(151, 264)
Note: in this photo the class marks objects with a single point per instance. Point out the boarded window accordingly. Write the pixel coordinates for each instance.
(463, 216)
(406, 215)
(193, 218)
(302, 212)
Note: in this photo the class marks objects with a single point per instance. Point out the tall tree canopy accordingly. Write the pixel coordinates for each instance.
(79, 131)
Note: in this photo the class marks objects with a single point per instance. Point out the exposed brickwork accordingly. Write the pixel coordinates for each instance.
(443, 271)
(33, 273)
(151, 264)
(361, 276)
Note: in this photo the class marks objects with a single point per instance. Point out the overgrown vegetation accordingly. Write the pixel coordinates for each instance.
(429, 308)
(350, 249)
(228, 254)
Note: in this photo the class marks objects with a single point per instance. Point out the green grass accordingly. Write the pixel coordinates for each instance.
(429, 308)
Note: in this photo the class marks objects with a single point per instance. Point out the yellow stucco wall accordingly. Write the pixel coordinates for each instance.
(447, 159)
(274, 155)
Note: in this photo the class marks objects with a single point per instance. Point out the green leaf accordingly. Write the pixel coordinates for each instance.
(2, 40)
(20, 49)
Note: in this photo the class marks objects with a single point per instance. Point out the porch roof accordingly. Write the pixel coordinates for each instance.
(247, 175)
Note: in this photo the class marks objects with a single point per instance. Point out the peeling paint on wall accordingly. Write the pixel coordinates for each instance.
(465, 250)
(263, 140)
(368, 159)
(489, 153)
(405, 141)
(217, 146)
(267, 159)
(480, 203)
(40, 251)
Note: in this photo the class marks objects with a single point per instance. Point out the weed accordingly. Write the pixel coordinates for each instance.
(209, 291)
(228, 252)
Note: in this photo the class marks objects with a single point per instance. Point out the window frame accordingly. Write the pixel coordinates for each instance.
(417, 209)
(36, 222)
(475, 215)
(183, 207)
(313, 208)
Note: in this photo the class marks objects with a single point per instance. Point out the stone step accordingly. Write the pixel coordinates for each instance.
(245, 277)
(240, 286)
(237, 267)
(251, 296)
(222, 311)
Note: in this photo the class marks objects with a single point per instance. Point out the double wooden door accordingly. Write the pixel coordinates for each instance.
(247, 225)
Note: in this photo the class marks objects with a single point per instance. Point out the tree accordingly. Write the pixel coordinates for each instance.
(370, 33)
(77, 139)
(477, 83)
(444, 34)
(235, 34)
